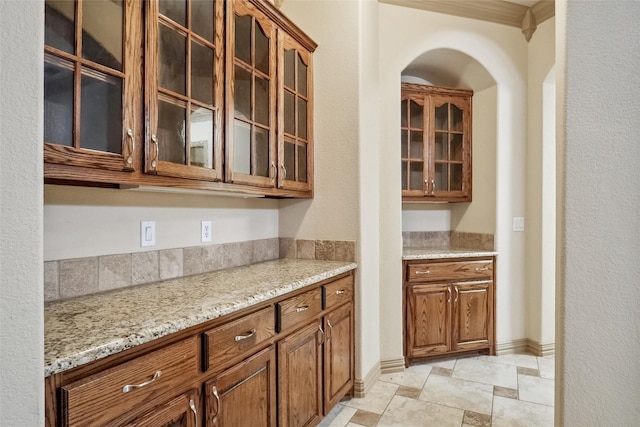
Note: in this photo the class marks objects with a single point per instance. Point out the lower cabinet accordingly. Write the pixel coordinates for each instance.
(181, 411)
(338, 355)
(244, 395)
(300, 377)
(448, 307)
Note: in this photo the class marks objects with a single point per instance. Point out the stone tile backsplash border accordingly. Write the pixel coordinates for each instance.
(434, 239)
(69, 278)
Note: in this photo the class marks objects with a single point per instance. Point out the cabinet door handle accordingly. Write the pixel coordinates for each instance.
(449, 292)
(192, 405)
(482, 269)
(127, 388)
(131, 142)
(426, 184)
(457, 294)
(330, 326)
(246, 335)
(321, 334)
(433, 187)
(214, 391)
(274, 171)
(303, 308)
(154, 162)
(284, 171)
(340, 291)
(422, 272)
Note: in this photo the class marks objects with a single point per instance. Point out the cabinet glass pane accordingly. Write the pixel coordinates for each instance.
(241, 147)
(171, 132)
(417, 146)
(289, 69)
(100, 112)
(405, 144)
(440, 146)
(262, 101)
(102, 28)
(242, 93)
(456, 177)
(442, 115)
(456, 118)
(59, 24)
(202, 18)
(417, 114)
(441, 176)
(302, 77)
(416, 176)
(290, 158)
(175, 10)
(404, 105)
(302, 118)
(456, 147)
(404, 175)
(289, 113)
(201, 144)
(201, 73)
(302, 163)
(243, 38)
(58, 101)
(262, 50)
(172, 60)
(261, 152)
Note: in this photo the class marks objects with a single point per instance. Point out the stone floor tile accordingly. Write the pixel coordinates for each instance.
(338, 417)
(407, 412)
(476, 419)
(547, 367)
(457, 393)
(505, 392)
(443, 372)
(515, 413)
(528, 371)
(365, 418)
(536, 390)
(486, 372)
(413, 376)
(376, 399)
(524, 360)
(443, 363)
(410, 392)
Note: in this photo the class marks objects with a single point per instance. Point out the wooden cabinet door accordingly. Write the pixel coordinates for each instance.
(244, 395)
(428, 322)
(182, 411)
(184, 89)
(414, 145)
(473, 315)
(91, 84)
(300, 377)
(338, 355)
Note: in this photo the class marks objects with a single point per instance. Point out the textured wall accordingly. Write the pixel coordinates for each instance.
(600, 296)
(21, 297)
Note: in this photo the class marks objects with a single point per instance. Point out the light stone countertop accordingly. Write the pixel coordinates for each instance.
(84, 329)
(410, 253)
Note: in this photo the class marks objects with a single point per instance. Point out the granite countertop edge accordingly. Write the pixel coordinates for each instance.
(77, 350)
(418, 253)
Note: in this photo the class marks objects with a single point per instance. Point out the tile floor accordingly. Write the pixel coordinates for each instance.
(487, 391)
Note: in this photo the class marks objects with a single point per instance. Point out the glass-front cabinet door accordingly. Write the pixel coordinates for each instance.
(251, 98)
(89, 83)
(295, 149)
(184, 88)
(435, 143)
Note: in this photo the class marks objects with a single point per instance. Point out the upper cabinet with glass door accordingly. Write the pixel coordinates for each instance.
(269, 101)
(436, 143)
(89, 84)
(184, 88)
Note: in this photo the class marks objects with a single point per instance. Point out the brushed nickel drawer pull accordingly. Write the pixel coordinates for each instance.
(246, 335)
(214, 391)
(127, 388)
(482, 269)
(340, 291)
(192, 405)
(303, 308)
(422, 272)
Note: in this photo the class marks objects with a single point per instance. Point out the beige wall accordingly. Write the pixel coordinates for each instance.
(21, 282)
(599, 297)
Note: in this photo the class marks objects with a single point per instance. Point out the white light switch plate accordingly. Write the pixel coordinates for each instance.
(147, 233)
(518, 223)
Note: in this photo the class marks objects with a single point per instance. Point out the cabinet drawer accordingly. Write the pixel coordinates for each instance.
(296, 311)
(237, 338)
(338, 292)
(459, 270)
(107, 395)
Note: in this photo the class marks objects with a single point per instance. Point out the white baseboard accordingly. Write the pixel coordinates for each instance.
(362, 386)
(526, 346)
(392, 365)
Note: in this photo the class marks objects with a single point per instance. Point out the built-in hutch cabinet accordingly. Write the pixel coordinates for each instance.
(435, 143)
(198, 94)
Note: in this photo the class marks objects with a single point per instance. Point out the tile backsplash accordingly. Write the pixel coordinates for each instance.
(434, 239)
(69, 278)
